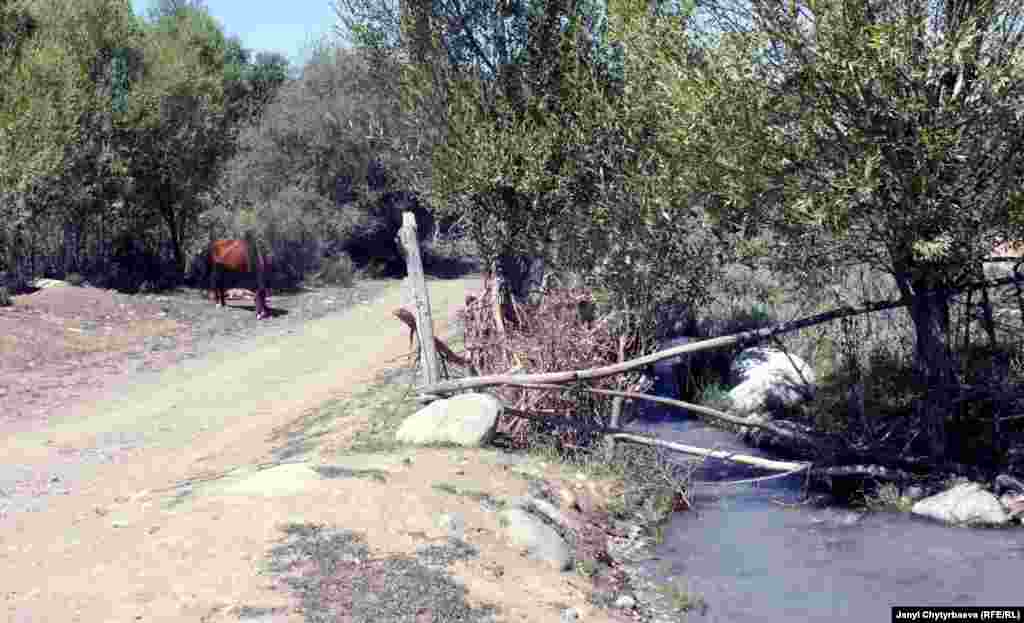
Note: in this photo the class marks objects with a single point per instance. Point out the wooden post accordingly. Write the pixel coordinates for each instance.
(418, 287)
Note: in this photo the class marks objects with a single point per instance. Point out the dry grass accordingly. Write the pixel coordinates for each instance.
(64, 324)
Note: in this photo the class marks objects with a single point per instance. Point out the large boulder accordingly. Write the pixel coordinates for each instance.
(965, 503)
(466, 420)
(538, 540)
(767, 379)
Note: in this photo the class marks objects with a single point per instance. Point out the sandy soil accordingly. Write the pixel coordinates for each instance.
(164, 498)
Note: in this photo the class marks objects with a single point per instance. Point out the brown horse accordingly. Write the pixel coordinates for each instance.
(240, 256)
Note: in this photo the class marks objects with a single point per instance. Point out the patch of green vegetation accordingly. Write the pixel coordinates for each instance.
(386, 404)
(250, 612)
(587, 567)
(658, 534)
(715, 395)
(442, 445)
(681, 599)
(887, 498)
(331, 573)
(334, 471)
(473, 494)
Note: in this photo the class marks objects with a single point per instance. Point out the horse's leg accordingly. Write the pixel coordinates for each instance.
(260, 265)
(261, 304)
(216, 278)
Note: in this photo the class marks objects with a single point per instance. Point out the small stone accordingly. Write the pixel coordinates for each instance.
(452, 524)
(625, 602)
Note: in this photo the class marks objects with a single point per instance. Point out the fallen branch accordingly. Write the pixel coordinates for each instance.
(780, 466)
(874, 471)
(745, 337)
(713, 413)
(748, 481)
(620, 434)
(640, 362)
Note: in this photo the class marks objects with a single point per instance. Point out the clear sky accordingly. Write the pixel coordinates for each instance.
(282, 26)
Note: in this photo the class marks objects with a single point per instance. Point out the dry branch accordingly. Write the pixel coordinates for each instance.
(447, 353)
(781, 466)
(745, 337)
(873, 471)
(714, 413)
(618, 434)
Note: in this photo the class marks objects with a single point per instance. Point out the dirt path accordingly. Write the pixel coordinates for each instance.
(218, 453)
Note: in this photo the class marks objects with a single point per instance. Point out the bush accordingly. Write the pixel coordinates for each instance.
(75, 279)
(449, 257)
(378, 268)
(338, 271)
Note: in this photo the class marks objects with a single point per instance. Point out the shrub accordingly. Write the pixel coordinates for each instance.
(338, 271)
(377, 268)
(75, 279)
(446, 256)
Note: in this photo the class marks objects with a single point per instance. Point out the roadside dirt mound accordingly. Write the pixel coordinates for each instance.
(58, 325)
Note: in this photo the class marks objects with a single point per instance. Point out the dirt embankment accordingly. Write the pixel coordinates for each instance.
(254, 480)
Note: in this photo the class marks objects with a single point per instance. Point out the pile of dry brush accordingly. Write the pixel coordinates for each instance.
(557, 334)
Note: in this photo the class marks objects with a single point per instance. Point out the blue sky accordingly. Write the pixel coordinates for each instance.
(284, 27)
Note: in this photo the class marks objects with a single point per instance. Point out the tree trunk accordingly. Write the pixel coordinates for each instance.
(175, 233)
(929, 311)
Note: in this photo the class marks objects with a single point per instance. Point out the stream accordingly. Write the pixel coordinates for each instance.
(754, 554)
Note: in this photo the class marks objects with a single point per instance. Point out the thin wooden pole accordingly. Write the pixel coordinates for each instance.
(417, 284)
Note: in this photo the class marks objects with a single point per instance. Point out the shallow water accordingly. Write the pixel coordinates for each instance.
(755, 555)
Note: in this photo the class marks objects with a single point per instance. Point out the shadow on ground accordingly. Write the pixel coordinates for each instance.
(334, 578)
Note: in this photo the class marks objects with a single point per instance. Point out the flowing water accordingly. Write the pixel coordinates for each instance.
(753, 554)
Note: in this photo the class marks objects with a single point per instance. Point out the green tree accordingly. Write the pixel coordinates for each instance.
(560, 155)
(860, 132)
(175, 133)
(59, 99)
(159, 9)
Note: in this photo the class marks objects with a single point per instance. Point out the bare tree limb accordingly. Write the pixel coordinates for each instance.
(713, 413)
(745, 337)
(782, 466)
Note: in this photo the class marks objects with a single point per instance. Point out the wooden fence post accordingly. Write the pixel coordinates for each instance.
(417, 285)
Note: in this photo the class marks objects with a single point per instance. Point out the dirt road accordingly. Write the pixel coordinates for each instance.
(209, 459)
